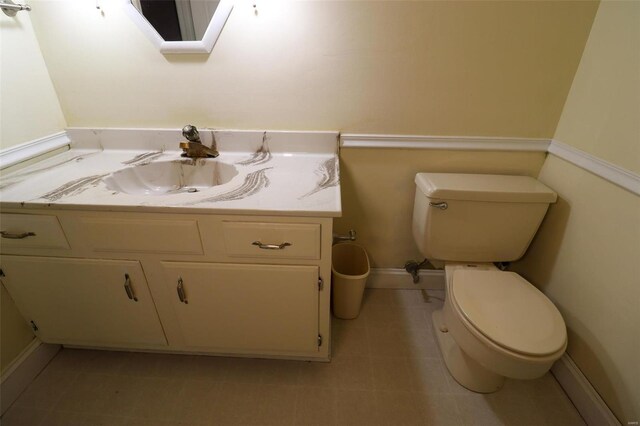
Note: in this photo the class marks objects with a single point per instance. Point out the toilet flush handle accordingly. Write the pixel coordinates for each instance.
(442, 205)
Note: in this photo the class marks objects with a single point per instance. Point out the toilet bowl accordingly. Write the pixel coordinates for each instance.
(495, 324)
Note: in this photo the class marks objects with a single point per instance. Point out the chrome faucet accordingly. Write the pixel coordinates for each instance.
(193, 147)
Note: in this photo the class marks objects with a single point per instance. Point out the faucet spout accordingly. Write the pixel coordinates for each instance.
(193, 147)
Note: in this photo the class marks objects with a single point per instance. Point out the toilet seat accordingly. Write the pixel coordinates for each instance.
(507, 310)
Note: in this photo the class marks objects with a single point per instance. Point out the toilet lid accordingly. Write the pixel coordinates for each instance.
(509, 311)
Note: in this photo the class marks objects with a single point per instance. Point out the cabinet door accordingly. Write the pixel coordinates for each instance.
(82, 301)
(246, 308)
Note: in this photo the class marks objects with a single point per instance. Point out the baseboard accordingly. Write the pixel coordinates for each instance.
(33, 359)
(589, 404)
(401, 279)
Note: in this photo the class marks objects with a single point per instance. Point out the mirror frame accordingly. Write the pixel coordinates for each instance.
(192, 46)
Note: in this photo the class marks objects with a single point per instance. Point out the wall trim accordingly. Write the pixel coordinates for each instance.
(450, 143)
(583, 395)
(23, 370)
(400, 279)
(28, 150)
(608, 171)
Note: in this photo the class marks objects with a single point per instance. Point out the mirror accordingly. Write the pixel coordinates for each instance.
(180, 26)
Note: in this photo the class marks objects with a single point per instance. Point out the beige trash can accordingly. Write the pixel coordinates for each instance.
(349, 272)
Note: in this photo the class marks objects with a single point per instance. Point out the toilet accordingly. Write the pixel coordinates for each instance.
(494, 324)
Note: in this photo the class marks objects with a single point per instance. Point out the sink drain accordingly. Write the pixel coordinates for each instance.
(192, 190)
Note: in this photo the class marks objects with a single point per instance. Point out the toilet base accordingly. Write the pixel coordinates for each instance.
(464, 369)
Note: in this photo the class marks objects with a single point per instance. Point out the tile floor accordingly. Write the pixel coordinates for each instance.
(386, 370)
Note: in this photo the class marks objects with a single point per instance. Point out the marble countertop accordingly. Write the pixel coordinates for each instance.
(278, 173)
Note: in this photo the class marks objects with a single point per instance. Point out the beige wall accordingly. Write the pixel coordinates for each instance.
(14, 332)
(415, 67)
(585, 256)
(435, 68)
(378, 191)
(29, 108)
(602, 113)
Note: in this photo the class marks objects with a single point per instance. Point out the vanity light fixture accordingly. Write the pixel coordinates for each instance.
(10, 8)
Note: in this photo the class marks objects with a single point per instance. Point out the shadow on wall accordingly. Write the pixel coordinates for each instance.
(540, 259)
(583, 345)
(591, 357)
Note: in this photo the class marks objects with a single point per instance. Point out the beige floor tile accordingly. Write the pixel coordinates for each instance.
(196, 401)
(162, 365)
(389, 342)
(348, 340)
(439, 409)
(400, 298)
(357, 408)
(244, 370)
(157, 399)
(315, 406)
(147, 422)
(73, 359)
(478, 409)
(353, 373)
(18, 416)
(238, 404)
(558, 411)
(386, 370)
(428, 375)
(398, 408)
(47, 389)
(59, 418)
(379, 315)
(391, 374)
(281, 372)
(318, 374)
(90, 393)
(276, 405)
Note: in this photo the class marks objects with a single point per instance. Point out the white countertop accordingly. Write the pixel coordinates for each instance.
(279, 173)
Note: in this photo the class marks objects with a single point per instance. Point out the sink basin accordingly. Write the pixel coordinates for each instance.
(171, 177)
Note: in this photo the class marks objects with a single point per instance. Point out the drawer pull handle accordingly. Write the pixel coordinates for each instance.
(271, 246)
(129, 289)
(442, 205)
(181, 294)
(11, 236)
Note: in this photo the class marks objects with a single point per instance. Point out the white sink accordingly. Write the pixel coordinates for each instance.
(171, 177)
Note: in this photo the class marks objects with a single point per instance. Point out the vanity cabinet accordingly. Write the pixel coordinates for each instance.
(83, 301)
(279, 306)
(193, 283)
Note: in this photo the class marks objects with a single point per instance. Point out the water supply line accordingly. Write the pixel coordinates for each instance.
(349, 237)
(413, 267)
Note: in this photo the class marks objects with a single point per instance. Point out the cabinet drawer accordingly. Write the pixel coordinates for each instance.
(32, 231)
(143, 235)
(273, 240)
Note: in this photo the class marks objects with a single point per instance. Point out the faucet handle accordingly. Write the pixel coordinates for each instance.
(190, 132)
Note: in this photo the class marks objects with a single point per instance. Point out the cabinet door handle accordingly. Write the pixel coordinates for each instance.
(129, 289)
(442, 205)
(271, 246)
(11, 236)
(181, 294)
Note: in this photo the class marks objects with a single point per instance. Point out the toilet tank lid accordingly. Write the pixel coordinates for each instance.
(477, 187)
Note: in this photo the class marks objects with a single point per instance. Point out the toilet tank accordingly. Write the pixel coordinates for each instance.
(477, 218)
